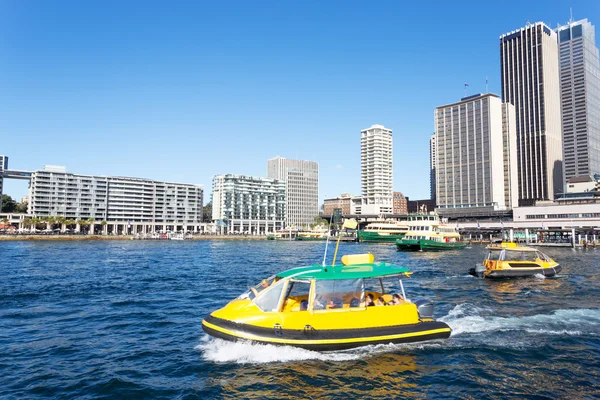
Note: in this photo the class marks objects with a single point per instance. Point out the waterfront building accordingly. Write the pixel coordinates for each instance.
(400, 204)
(302, 188)
(530, 81)
(342, 203)
(472, 175)
(128, 205)
(248, 204)
(432, 162)
(376, 171)
(580, 98)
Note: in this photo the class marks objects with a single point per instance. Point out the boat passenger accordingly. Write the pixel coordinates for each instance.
(303, 305)
(369, 300)
(381, 302)
(335, 302)
(354, 302)
(397, 299)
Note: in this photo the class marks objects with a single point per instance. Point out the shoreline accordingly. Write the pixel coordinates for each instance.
(13, 238)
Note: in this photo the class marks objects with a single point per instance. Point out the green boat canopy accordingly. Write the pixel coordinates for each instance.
(356, 271)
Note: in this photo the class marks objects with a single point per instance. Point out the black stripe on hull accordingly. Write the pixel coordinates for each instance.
(330, 346)
(334, 334)
(522, 272)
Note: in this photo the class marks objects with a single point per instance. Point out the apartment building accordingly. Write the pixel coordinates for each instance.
(376, 171)
(248, 204)
(128, 205)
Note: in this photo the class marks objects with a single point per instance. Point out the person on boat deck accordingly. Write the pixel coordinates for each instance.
(369, 300)
(334, 303)
(396, 299)
(303, 305)
(381, 302)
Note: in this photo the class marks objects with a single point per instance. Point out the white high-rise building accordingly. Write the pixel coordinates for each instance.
(302, 188)
(376, 171)
(472, 171)
(530, 81)
(248, 204)
(580, 99)
(432, 162)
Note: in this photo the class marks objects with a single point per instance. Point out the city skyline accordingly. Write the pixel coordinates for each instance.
(172, 104)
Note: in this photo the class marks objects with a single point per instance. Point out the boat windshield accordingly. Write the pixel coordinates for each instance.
(494, 255)
(252, 292)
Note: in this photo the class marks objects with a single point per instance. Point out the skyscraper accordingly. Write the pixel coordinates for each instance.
(302, 188)
(580, 98)
(432, 160)
(376, 170)
(471, 152)
(530, 81)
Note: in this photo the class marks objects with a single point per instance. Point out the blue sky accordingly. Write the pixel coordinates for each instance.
(181, 91)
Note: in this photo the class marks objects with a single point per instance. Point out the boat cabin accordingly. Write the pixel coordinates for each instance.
(348, 287)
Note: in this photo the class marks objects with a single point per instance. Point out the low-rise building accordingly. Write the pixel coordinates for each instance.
(248, 204)
(128, 205)
(400, 205)
(343, 203)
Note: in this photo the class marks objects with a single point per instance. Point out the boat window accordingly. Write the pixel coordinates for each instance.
(296, 298)
(517, 255)
(269, 299)
(383, 287)
(340, 293)
(494, 255)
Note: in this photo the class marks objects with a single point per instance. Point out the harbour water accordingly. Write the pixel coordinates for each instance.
(122, 320)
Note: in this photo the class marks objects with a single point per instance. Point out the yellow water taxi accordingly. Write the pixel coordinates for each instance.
(508, 260)
(357, 303)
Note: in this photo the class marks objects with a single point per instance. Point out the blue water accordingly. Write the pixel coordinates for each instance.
(122, 320)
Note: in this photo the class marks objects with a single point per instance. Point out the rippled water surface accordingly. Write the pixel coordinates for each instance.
(122, 320)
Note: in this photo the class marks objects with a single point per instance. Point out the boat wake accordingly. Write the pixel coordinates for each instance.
(469, 319)
(222, 351)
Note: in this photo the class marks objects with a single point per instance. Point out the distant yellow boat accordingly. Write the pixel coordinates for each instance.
(509, 260)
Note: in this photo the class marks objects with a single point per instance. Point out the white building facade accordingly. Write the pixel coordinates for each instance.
(530, 81)
(376, 155)
(474, 166)
(432, 162)
(128, 205)
(302, 188)
(580, 98)
(248, 204)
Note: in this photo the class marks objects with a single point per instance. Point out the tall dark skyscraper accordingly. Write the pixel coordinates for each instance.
(530, 81)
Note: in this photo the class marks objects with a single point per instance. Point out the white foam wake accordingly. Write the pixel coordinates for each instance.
(466, 318)
(221, 351)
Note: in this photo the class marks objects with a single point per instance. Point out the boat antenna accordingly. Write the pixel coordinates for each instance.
(327, 242)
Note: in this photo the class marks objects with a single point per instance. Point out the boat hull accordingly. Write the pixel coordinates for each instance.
(375, 237)
(310, 239)
(518, 272)
(423, 244)
(326, 340)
